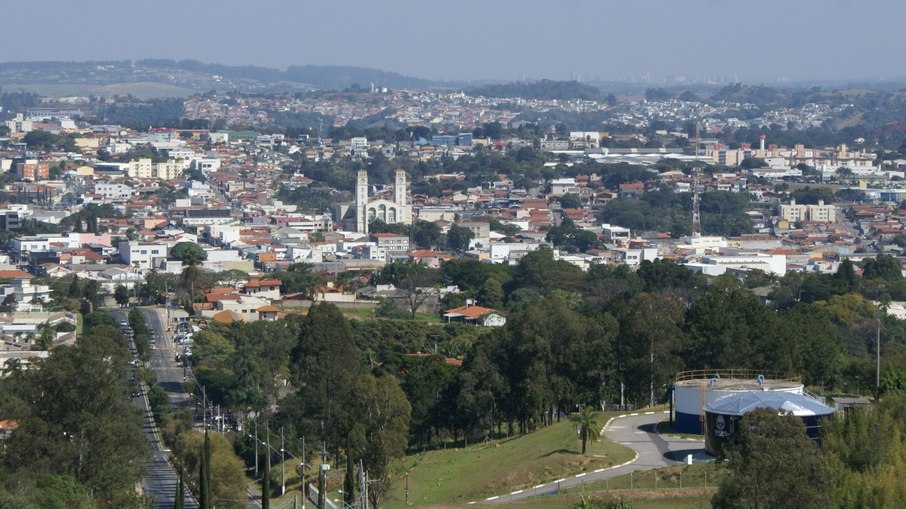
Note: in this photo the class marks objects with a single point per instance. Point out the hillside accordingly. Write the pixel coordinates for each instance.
(544, 89)
(166, 78)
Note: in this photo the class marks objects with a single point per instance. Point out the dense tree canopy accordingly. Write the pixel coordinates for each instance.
(79, 435)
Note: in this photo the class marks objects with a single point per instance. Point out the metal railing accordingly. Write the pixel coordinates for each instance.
(737, 374)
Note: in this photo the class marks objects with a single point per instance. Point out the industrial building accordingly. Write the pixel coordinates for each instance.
(722, 416)
(696, 389)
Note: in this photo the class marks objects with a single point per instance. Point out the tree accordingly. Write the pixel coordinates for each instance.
(189, 253)
(75, 421)
(300, 278)
(589, 429)
(203, 494)
(570, 201)
(349, 479)
(325, 364)
(46, 336)
(91, 291)
(266, 485)
(426, 235)
(459, 237)
(75, 290)
(884, 267)
(380, 434)
(224, 470)
(649, 344)
(209, 475)
(772, 463)
(121, 295)
(180, 502)
(491, 294)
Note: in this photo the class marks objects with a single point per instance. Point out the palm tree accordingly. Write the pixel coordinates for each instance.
(46, 337)
(589, 429)
(12, 366)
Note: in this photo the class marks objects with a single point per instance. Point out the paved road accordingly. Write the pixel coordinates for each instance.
(160, 479)
(171, 376)
(635, 431)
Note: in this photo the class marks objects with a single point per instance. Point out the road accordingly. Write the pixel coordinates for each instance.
(160, 479)
(635, 431)
(171, 376)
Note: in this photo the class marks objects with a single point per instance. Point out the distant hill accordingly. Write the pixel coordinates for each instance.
(544, 89)
(191, 76)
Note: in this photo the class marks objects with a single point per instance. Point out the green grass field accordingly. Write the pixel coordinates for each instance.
(664, 499)
(454, 477)
(676, 487)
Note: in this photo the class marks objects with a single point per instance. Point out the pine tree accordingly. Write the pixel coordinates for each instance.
(349, 479)
(180, 493)
(207, 471)
(75, 290)
(202, 489)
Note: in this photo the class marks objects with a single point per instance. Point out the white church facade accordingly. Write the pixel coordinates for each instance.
(396, 211)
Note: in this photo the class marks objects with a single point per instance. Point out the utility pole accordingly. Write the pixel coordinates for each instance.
(322, 478)
(256, 444)
(282, 466)
(363, 490)
(303, 472)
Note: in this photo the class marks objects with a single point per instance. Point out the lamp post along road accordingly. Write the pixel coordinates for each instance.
(282, 466)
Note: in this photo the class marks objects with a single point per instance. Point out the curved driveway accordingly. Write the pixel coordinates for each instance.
(636, 431)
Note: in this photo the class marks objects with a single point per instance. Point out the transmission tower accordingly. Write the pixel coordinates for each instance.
(696, 212)
(696, 177)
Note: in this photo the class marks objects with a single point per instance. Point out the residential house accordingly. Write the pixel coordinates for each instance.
(478, 315)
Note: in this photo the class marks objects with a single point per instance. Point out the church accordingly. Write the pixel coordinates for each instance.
(390, 212)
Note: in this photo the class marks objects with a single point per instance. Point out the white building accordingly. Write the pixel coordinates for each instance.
(141, 254)
(113, 190)
(390, 212)
(566, 185)
(616, 234)
(28, 297)
(717, 265)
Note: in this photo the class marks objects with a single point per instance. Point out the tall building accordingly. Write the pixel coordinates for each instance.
(819, 213)
(390, 212)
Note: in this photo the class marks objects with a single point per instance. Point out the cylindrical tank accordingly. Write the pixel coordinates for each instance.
(722, 416)
(695, 389)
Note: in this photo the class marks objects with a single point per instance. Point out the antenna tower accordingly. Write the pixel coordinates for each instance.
(696, 176)
(696, 212)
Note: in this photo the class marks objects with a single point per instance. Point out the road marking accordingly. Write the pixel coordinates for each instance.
(583, 474)
(560, 480)
(600, 470)
(515, 492)
(634, 414)
(649, 413)
(495, 497)
(472, 503)
(539, 486)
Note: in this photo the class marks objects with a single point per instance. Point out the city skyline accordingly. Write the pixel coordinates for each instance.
(503, 40)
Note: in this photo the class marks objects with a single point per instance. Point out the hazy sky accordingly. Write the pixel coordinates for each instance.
(480, 39)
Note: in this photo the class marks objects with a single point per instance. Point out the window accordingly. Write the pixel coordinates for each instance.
(144, 251)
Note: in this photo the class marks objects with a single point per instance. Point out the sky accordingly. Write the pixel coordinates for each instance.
(505, 40)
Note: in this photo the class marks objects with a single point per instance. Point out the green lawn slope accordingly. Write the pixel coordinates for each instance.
(459, 476)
